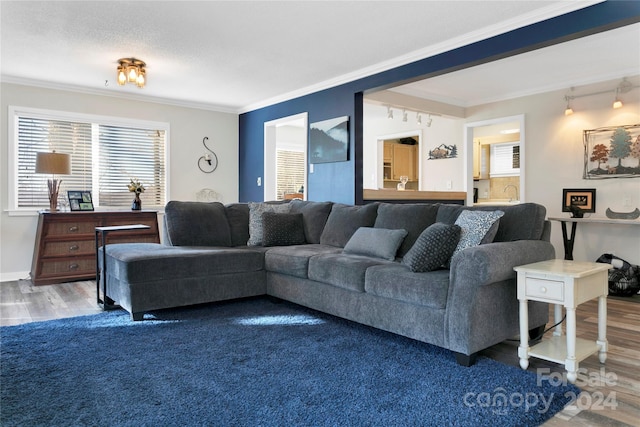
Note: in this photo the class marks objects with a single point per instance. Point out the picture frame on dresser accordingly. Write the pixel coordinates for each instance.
(80, 200)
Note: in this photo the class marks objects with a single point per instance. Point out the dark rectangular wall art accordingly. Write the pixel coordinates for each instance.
(329, 141)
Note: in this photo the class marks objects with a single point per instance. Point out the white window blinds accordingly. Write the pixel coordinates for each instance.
(103, 159)
(290, 172)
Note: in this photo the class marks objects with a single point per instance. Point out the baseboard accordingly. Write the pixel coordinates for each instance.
(13, 276)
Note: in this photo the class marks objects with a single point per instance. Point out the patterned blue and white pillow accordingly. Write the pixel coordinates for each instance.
(474, 225)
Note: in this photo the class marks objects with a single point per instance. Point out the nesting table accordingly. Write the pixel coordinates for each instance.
(102, 232)
(565, 284)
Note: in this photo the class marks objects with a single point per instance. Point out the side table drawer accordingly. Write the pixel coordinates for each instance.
(550, 290)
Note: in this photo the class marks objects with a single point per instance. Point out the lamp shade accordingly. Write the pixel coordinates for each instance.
(53, 163)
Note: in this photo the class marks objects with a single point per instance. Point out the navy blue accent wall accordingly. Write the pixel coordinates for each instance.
(342, 181)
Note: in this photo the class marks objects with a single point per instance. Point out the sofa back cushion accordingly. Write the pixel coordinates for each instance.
(314, 215)
(412, 217)
(524, 221)
(197, 224)
(238, 217)
(344, 220)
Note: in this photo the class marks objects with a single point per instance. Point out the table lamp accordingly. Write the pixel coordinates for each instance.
(55, 164)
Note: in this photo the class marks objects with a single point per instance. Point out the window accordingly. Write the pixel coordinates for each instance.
(105, 153)
(290, 172)
(505, 159)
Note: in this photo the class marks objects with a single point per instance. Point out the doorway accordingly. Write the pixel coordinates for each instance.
(286, 158)
(489, 127)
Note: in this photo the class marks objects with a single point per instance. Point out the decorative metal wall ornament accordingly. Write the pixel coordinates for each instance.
(443, 151)
(612, 152)
(207, 163)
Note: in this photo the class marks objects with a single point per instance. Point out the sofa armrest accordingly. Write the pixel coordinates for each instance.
(494, 262)
(482, 306)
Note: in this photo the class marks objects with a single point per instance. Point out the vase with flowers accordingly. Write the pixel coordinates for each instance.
(137, 188)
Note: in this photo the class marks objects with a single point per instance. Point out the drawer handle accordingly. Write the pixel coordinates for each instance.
(73, 266)
(73, 229)
(74, 247)
(543, 289)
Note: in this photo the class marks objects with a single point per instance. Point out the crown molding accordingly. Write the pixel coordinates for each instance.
(121, 95)
(539, 15)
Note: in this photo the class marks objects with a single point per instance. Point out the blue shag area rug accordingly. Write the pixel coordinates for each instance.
(252, 362)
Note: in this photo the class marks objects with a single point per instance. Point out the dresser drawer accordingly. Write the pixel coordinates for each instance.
(69, 248)
(64, 228)
(75, 266)
(548, 290)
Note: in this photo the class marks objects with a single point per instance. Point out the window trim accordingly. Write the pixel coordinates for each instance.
(12, 155)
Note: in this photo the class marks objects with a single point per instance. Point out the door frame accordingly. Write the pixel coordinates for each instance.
(468, 143)
(271, 145)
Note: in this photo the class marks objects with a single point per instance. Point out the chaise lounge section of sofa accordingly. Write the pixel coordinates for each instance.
(348, 261)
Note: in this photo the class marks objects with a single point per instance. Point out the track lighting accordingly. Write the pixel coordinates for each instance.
(568, 111)
(623, 87)
(405, 115)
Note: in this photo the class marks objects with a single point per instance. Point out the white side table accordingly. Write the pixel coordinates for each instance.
(568, 284)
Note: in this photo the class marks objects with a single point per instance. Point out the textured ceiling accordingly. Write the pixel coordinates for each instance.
(238, 55)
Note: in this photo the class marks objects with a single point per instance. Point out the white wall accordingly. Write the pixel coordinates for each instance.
(554, 160)
(435, 173)
(188, 127)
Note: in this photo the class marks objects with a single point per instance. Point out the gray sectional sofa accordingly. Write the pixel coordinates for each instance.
(368, 264)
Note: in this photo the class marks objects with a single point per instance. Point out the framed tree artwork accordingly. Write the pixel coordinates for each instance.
(612, 152)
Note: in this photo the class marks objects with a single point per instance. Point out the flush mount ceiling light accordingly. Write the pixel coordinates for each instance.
(132, 70)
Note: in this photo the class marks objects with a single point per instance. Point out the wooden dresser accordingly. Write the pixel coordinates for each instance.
(65, 248)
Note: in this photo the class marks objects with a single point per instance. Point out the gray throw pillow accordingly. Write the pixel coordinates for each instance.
(375, 242)
(282, 229)
(475, 224)
(344, 220)
(433, 248)
(256, 209)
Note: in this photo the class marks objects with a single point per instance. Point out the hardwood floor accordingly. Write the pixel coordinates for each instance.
(610, 393)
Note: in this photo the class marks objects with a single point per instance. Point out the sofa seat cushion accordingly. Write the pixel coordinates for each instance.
(397, 282)
(294, 260)
(342, 270)
(146, 262)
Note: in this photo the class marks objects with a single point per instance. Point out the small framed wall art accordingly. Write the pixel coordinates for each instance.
(581, 198)
(80, 200)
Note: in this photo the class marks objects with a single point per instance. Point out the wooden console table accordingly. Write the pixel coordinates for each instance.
(569, 239)
(65, 242)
